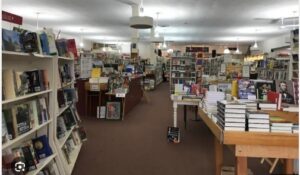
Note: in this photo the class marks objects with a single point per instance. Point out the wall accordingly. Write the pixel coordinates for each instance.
(274, 42)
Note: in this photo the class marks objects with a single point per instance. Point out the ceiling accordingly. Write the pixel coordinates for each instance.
(188, 21)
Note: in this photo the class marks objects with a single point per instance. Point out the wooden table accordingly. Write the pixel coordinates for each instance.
(185, 102)
(253, 144)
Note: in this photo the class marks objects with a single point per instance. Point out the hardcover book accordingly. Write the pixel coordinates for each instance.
(51, 41)
(61, 45)
(285, 88)
(69, 118)
(21, 118)
(262, 89)
(43, 114)
(61, 128)
(29, 159)
(30, 42)
(7, 115)
(8, 83)
(82, 133)
(44, 43)
(4, 129)
(61, 99)
(42, 147)
(35, 79)
(246, 88)
(113, 110)
(71, 46)
(11, 41)
(21, 83)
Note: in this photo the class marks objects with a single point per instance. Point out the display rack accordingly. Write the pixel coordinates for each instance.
(21, 62)
(182, 71)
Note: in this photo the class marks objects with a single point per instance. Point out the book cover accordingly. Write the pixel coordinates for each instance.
(71, 46)
(96, 73)
(61, 128)
(285, 88)
(21, 83)
(61, 45)
(70, 94)
(82, 133)
(35, 78)
(7, 115)
(8, 83)
(45, 79)
(4, 129)
(42, 147)
(29, 159)
(51, 41)
(30, 42)
(43, 114)
(18, 157)
(21, 118)
(44, 43)
(11, 41)
(113, 110)
(246, 88)
(262, 89)
(33, 112)
(69, 118)
(61, 99)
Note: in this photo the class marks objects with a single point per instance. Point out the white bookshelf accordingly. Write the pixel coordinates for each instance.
(59, 111)
(23, 62)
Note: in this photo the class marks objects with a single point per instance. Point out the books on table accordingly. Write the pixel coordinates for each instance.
(258, 121)
(280, 124)
(231, 116)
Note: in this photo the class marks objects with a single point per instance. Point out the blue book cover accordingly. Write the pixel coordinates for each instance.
(44, 43)
(11, 41)
(42, 147)
(246, 87)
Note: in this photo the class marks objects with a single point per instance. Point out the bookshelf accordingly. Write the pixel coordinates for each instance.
(182, 71)
(24, 62)
(65, 80)
(294, 71)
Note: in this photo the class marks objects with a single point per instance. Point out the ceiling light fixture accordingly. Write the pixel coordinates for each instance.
(164, 45)
(140, 22)
(81, 43)
(255, 46)
(226, 51)
(237, 47)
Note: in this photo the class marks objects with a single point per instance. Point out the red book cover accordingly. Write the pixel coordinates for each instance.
(71, 46)
(275, 97)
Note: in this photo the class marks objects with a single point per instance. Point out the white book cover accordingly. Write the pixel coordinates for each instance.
(234, 115)
(283, 124)
(259, 130)
(102, 111)
(235, 124)
(259, 117)
(282, 131)
(281, 128)
(257, 121)
(232, 105)
(258, 125)
(238, 111)
(238, 120)
(234, 128)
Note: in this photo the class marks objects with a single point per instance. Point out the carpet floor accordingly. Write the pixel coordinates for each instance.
(138, 145)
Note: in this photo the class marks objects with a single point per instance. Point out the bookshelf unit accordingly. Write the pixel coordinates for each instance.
(68, 159)
(294, 63)
(182, 71)
(20, 62)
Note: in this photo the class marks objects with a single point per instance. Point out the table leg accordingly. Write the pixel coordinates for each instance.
(184, 115)
(218, 156)
(289, 166)
(241, 166)
(175, 114)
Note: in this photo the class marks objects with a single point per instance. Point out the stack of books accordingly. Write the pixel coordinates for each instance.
(258, 121)
(211, 98)
(282, 127)
(295, 128)
(231, 116)
(251, 105)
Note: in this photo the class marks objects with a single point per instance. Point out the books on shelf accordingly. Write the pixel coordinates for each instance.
(65, 74)
(42, 147)
(11, 41)
(19, 83)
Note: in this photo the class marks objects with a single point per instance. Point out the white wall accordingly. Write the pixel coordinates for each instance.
(144, 49)
(275, 42)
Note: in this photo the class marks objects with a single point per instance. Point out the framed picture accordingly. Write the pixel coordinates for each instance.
(113, 110)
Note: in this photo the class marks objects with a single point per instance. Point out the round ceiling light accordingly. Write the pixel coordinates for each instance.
(141, 22)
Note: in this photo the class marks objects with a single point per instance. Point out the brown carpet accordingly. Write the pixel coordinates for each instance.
(138, 145)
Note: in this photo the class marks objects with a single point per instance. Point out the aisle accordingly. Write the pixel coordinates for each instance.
(138, 145)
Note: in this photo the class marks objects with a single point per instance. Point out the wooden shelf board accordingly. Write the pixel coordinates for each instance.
(21, 137)
(63, 140)
(26, 54)
(61, 110)
(43, 163)
(25, 97)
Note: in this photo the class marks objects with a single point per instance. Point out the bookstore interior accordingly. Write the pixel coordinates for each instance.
(131, 87)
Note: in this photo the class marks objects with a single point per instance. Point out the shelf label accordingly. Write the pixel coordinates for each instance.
(120, 95)
(9, 17)
(94, 87)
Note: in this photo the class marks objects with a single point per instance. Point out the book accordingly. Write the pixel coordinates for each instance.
(258, 121)
(66, 153)
(11, 41)
(82, 133)
(281, 131)
(45, 79)
(257, 115)
(51, 41)
(285, 88)
(61, 128)
(282, 124)
(33, 112)
(258, 125)
(8, 83)
(267, 105)
(259, 129)
(19, 158)
(30, 42)
(5, 136)
(285, 128)
(7, 115)
(96, 73)
(43, 114)
(35, 78)
(262, 88)
(42, 147)
(61, 45)
(21, 118)
(21, 83)
(71, 47)
(70, 94)
(231, 105)
(61, 98)
(233, 115)
(69, 118)
(246, 88)
(235, 124)
(44, 43)
(291, 109)
(231, 128)
(238, 111)
(29, 159)
(102, 111)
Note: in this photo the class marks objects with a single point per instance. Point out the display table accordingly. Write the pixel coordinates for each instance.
(184, 102)
(130, 99)
(253, 144)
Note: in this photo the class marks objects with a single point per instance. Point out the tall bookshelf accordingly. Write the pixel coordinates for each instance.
(182, 71)
(67, 155)
(294, 71)
(26, 62)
